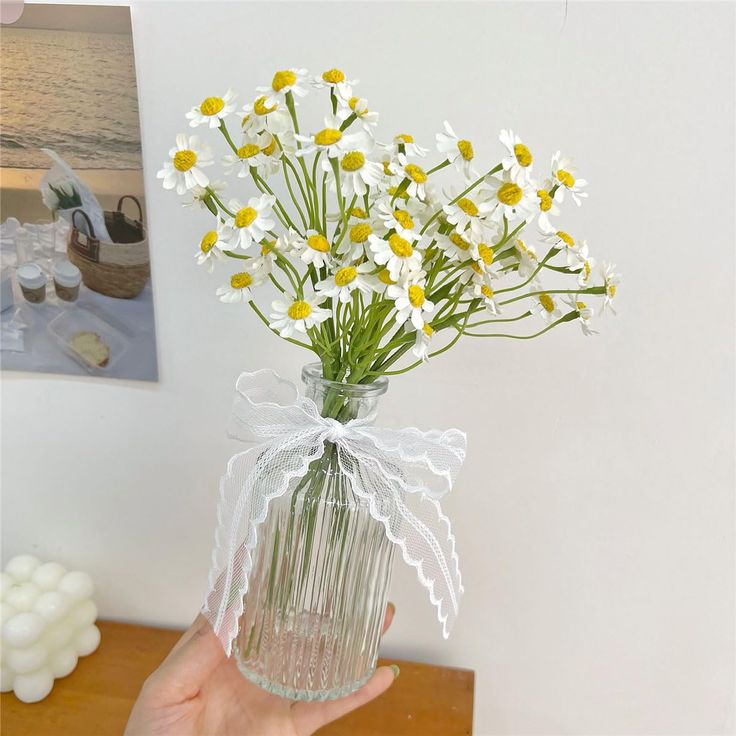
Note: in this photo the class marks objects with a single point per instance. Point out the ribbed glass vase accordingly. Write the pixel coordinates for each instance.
(317, 592)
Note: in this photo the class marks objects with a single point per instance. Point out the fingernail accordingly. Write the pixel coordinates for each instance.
(392, 607)
(395, 669)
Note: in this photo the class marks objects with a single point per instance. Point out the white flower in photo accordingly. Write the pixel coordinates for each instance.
(585, 314)
(335, 80)
(469, 213)
(183, 170)
(238, 290)
(405, 144)
(289, 242)
(410, 300)
(576, 251)
(518, 162)
(611, 280)
(586, 270)
(455, 246)
(480, 288)
(546, 204)
(357, 172)
(210, 248)
(459, 151)
(283, 82)
(258, 116)
(422, 342)
(354, 243)
(414, 174)
(396, 217)
(262, 265)
(248, 155)
(212, 110)
(563, 173)
(315, 249)
(528, 259)
(270, 162)
(546, 307)
(511, 199)
(381, 281)
(359, 107)
(201, 195)
(297, 315)
(397, 254)
(330, 139)
(345, 280)
(250, 222)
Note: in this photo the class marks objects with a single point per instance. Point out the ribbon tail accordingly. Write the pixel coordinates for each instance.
(253, 479)
(422, 532)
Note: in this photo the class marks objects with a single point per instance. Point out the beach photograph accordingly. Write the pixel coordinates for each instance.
(76, 285)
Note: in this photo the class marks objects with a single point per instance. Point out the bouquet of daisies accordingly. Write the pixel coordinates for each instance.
(364, 257)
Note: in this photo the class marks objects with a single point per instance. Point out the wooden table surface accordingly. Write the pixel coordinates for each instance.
(96, 698)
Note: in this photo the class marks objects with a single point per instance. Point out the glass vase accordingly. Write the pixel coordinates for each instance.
(317, 592)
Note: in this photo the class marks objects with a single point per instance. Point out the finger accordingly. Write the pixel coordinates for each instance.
(189, 664)
(308, 717)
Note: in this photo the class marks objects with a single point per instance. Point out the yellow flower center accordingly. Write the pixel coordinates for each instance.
(586, 270)
(565, 238)
(333, 76)
(547, 302)
(477, 268)
(580, 306)
(248, 150)
(466, 149)
(245, 216)
(509, 193)
(565, 178)
(241, 280)
(359, 213)
(318, 242)
(211, 105)
(468, 207)
(299, 310)
(486, 254)
(345, 275)
(385, 277)
(416, 296)
(352, 161)
(545, 201)
(327, 137)
(266, 248)
(261, 108)
(352, 102)
(400, 247)
(270, 148)
(427, 330)
(486, 291)
(523, 155)
(283, 79)
(359, 233)
(394, 192)
(459, 242)
(184, 160)
(404, 219)
(208, 241)
(612, 290)
(405, 138)
(415, 173)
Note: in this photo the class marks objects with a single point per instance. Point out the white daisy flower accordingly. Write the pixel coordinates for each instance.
(289, 242)
(357, 172)
(345, 280)
(510, 199)
(330, 139)
(353, 245)
(415, 174)
(563, 173)
(335, 80)
(297, 315)
(212, 110)
(547, 205)
(397, 254)
(238, 290)
(247, 155)
(459, 151)
(251, 221)
(480, 288)
(586, 270)
(546, 307)
(469, 213)
(410, 300)
(200, 195)
(455, 246)
(283, 82)
(258, 116)
(519, 160)
(576, 251)
(611, 280)
(184, 169)
(358, 106)
(210, 248)
(263, 264)
(528, 259)
(422, 342)
(396, 217)
(270, 161)
(585, 314)
(404, 143)
(381, 281)
(315, 249)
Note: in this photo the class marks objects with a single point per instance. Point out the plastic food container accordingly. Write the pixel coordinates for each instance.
(92, 342)
(67, 278)
(32, 282)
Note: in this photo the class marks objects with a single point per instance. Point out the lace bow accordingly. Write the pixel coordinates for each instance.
(400, 473)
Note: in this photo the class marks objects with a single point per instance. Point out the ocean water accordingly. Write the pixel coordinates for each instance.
(71, 91)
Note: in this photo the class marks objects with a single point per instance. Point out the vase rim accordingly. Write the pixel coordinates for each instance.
(312, 373)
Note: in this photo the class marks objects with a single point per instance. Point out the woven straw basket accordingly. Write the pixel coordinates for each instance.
(119, 268)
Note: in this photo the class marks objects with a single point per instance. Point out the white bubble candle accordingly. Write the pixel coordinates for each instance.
(47, 620)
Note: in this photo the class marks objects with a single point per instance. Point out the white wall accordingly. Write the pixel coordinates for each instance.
(595, 513)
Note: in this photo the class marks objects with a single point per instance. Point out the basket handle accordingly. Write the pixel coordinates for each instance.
(91, 232)
(135, 199)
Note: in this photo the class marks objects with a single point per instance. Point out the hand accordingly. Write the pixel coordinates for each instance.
(197, 691)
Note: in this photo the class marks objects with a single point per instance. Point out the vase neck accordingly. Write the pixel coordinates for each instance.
(343, 401)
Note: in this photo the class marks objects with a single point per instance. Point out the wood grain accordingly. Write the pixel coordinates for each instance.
(96, 698)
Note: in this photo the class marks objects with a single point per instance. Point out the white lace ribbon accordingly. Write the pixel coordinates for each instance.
(400, 473)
